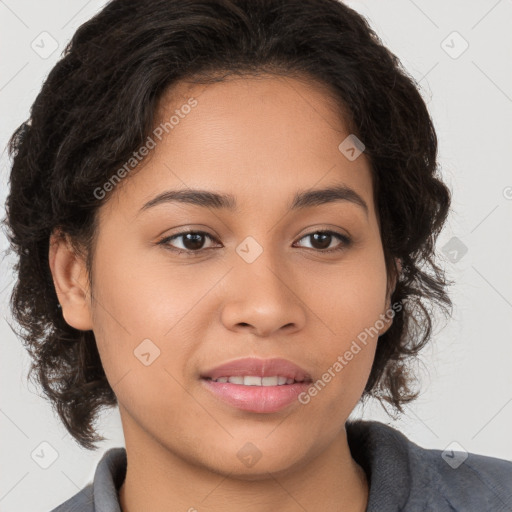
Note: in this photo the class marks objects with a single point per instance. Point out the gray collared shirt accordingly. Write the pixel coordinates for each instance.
(402, 476)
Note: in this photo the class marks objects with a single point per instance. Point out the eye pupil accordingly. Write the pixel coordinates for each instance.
(195, 238)
(323, 237)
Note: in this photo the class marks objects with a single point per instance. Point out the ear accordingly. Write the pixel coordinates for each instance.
(393, 278)
(392, 282)
(69, 274)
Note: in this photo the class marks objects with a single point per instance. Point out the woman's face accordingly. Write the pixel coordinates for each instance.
(255, 282)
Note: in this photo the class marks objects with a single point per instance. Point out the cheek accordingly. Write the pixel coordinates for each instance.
(354, 295)
(138, 315)
(351, 313)
(145, 298)
(139, 326)
(344, 358)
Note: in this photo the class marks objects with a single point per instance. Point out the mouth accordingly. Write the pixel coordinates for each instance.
(252, 371)
(254, 380)
(257, 385)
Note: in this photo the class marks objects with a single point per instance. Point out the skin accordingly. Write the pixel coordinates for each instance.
(261, 140)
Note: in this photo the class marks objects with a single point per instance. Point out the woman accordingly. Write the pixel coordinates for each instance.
(225, 214)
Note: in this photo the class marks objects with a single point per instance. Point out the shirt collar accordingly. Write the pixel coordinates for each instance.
(383, 453)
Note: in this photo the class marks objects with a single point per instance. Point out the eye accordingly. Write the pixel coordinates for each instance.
(323, 239)
(193, 241)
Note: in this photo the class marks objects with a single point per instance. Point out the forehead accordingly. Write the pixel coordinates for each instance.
(259, 139)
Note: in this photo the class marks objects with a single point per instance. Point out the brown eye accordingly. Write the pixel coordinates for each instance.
(192, 241)
(321, 241)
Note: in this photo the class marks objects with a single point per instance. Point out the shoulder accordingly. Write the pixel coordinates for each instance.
(417, 478)
(467, 481)
(102, 493)
(82, 501)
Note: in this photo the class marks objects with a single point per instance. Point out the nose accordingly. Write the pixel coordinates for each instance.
(264, 297)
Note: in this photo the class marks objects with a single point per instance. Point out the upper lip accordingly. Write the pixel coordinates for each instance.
(260, 368)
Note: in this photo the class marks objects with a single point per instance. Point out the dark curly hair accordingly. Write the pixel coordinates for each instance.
(99, 104)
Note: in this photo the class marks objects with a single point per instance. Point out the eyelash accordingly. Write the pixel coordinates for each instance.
(346, 241)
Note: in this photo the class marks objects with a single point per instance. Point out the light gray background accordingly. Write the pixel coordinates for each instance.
(467, 392)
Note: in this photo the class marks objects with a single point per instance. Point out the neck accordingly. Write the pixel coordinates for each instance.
(157, 479)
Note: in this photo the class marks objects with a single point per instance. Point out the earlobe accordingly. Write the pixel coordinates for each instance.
(391, 288)
(71, 284)
(395, 276)
(387, 324)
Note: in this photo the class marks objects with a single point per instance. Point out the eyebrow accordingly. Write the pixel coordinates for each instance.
(302, 199)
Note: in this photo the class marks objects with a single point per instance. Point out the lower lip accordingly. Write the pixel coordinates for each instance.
(262, 399)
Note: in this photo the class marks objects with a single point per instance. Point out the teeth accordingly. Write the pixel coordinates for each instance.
(269, 381)
(252, 380)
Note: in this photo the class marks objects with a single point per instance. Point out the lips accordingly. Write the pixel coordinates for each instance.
(255, 367)
(256, 385)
